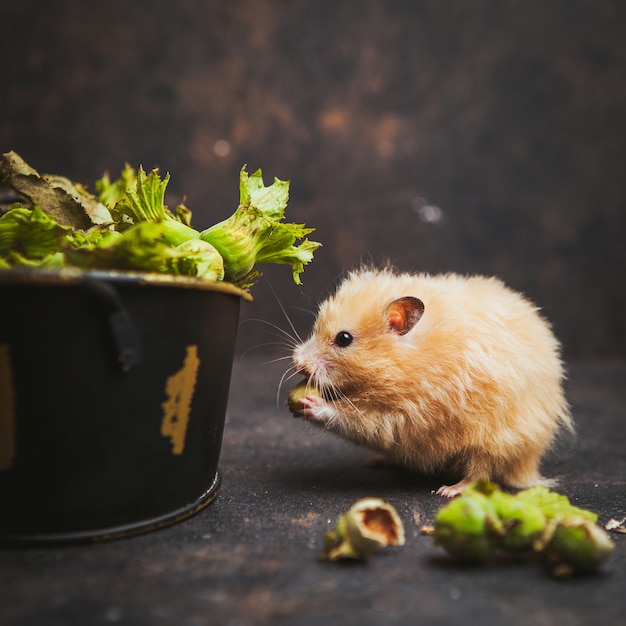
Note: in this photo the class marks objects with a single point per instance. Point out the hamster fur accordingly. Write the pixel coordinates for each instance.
(436, 372)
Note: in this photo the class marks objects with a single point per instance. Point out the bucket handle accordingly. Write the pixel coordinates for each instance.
(120, 323)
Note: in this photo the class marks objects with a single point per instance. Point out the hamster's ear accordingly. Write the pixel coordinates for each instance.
(404, 313)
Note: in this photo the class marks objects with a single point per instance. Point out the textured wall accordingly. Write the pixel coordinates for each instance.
(485, 136)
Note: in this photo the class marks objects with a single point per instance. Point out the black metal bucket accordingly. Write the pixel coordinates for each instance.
(113, 392)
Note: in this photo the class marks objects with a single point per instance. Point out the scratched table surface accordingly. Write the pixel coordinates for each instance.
(251, 557)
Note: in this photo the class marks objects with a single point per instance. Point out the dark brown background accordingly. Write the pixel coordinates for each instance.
(509, 116)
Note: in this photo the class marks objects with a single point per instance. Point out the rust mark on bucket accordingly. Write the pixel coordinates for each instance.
(176, 409)
(7, 410)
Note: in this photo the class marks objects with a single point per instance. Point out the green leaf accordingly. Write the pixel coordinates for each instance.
(29, 235)
(255, 234)
(110, 193)
(144, 201)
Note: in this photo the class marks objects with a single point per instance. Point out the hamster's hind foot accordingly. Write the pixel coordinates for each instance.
(451, 491)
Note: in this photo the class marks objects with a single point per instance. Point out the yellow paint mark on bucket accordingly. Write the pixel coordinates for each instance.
(7, 410)
(176, 409)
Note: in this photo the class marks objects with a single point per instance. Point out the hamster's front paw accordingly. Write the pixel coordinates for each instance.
(316, 409)
(312, 407)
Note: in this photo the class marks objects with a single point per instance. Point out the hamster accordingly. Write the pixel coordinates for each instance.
(437, 372)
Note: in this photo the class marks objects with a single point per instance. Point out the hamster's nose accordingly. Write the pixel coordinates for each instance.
(300, 366)
(304, 359)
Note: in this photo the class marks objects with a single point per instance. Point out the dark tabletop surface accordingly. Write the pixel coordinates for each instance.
(251, 557)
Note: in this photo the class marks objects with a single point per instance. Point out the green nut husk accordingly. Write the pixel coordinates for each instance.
(256, 233)
(520, 523)
(577, 546)
(58, 224)
(523, 523)
(485, 520)
(553, 504)
(466, 528)
(369, 524)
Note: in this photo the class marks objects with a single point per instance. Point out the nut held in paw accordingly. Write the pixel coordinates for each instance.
(301, 390)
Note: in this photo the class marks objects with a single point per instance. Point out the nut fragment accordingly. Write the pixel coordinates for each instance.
(616, 525)
(370, 524)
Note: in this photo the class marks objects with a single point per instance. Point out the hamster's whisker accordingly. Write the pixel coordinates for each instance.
(307, 311)
(344, 398)
(296, 334)
(287, 357)
(266, 345)
(289, 373)
(351, 404)
(284, 311)
(293, 339)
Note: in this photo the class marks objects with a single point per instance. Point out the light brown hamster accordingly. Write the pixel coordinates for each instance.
(437, 372)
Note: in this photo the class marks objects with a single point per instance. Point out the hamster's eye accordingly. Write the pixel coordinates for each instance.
(343, 339)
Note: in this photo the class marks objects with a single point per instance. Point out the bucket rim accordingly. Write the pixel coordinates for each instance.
(120, 531)
(69, 276)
